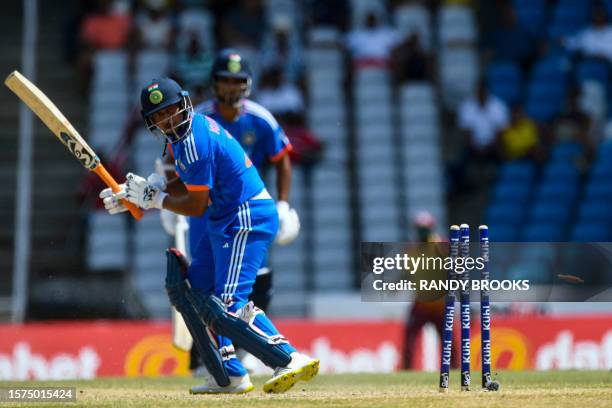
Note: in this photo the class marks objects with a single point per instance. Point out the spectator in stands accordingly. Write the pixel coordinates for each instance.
(409, 62)
(194, 18)
(243, 25)
(520, 140)
(154, 28)
(307, 147)
(106, 28)
(573, 124)
(372, 44)
(192, 66)
(481, 119)
(509, 41)
(72, 24)
(279, 96)
(596, 40)
(282, 48)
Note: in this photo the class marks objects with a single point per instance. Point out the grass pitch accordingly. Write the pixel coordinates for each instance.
(591, 389)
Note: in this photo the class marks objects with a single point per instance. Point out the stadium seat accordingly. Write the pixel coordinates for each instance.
(531, 15)
(593, 69)
(590, 232)
(502, 232)
(456, 23)
(594, 212)
(608, 6)
(504, 80)
(569, 16)
(511, 191)
(512, 213)
(560, 171)
(549, 211)
(545, 98)
(519, 170)
(543, 232)
(561, 191)
(599, 190)
(566, 151)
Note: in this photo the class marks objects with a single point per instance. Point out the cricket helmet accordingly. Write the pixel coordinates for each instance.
(159, 94)
(230, 64)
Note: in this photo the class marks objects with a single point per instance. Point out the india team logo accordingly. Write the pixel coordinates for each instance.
(233, 64)
(156, 97)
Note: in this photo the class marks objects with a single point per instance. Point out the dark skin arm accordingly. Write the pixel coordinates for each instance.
(182, 201)
(283, 177)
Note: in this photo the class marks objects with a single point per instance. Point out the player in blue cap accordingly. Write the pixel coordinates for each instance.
(215, 176)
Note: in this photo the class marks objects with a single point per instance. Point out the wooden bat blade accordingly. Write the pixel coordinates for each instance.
(51, 116)
(55, 120)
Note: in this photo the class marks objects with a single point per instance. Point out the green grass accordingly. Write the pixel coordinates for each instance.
(591, 389)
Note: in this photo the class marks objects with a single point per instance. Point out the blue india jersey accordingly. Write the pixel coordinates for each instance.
(209, 158)
(258, 132)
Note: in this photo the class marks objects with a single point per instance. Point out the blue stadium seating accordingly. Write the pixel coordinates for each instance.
(543, 232)
(599, 190)
(563, 192)
(569, 16)
(531, 15)
(503, 232)
(566, 151)
(545, 97)
(523, 171)
(505, 213)
(549, 211)
(602, 169)
(608, 6)
(511, 191)
(505, 80)
(593, 69)
(561, 171)
(590, 232)
(594, 212)
(604, 152)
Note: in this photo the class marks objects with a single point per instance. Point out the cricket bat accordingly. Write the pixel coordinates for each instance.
(51, 116)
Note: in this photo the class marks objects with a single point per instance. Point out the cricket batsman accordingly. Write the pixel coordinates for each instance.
(216, 176)
(264, 141)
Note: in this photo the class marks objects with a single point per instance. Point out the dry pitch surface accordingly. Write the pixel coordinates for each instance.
(591, 389)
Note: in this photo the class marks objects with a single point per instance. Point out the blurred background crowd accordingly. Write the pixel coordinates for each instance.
(491, 111)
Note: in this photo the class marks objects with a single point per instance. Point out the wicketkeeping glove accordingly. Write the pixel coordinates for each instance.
(145, 193)
(289, 223)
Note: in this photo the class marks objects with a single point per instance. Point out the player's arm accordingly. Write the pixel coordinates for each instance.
(188, 202)
(283, 177)
(289, 222)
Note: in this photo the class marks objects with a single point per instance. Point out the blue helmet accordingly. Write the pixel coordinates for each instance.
(230, 64)
(159, 94)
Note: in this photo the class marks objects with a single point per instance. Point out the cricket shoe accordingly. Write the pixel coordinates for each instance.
(237, 385)
(300, 368)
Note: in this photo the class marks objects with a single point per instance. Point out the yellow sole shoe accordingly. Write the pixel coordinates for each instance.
(284, 382)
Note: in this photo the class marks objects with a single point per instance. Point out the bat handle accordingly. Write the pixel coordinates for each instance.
(110, 181)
